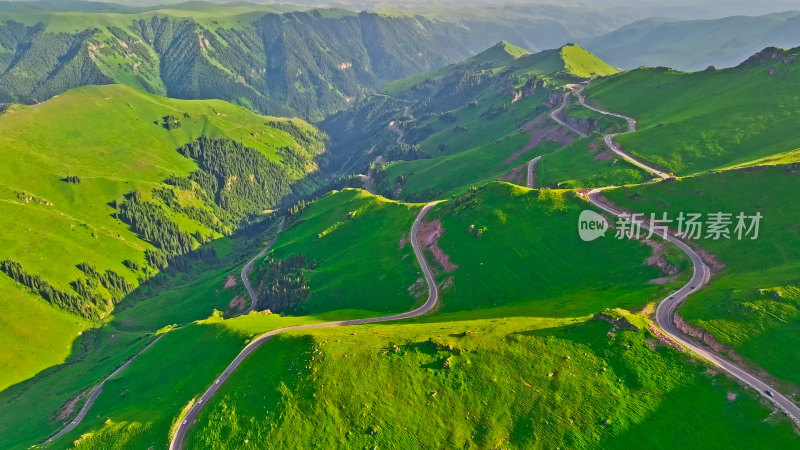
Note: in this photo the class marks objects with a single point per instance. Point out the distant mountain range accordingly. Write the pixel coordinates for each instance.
(272, 59)
(696, 44)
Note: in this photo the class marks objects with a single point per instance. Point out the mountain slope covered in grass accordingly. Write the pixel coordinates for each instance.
(692, 122)
(488, 368)
(752, 304)
(292, 63)
(490, 101)
(104, 186)
(274, 59)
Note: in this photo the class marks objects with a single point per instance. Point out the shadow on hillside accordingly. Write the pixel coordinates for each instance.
(99, 351)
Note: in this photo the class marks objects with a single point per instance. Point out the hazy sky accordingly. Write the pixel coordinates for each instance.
(674, 8)
(678, 8)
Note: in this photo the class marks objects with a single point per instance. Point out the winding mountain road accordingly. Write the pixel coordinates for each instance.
(249, 268)
(99, 388)
(96, 393)
(667, 308)
(532, 172)
(609, 138)
(665, 315)
(555, 113)
(433, 296)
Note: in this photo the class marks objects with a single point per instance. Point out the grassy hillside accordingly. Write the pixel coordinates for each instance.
(560, 379)
(583, 64)
(443, 175)
(519, 247)
(523, 383)
(585, 164)
(36, 408)
(28, 349)
(367, 278)
(70, 162)
(329, 234)
(522, 232)
(471, 106)
(270, 59)
(691, 122)
(752, 304)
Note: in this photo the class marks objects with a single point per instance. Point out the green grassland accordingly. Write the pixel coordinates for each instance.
(529, 254)
(471, 130)
(27, 349)
(752, 304)
(511, 382)
(579, 166)
(583, 64)
(31, 408)
(444, 175)
(509, 350)
(143, 402)
(138, 408)
(510, 325)
(692, 122)
(105, 135)
(364, 260)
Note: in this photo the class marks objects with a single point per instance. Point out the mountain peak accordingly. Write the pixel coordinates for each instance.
(584, 64)
(501, 53)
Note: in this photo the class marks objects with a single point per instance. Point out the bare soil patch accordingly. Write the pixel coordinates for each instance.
(230, 282)
(430, 232)
(237, 304)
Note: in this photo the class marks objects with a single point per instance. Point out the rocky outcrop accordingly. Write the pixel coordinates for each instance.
(702, 335)
(553, 100)
(792, 168)
(620, 323)
(663, 337)
(584, 125)
(770, 55)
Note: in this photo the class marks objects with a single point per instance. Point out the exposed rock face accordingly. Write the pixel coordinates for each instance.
(618, 323)
(701, 335)
(661, 336)
(553, 100)
(584, 125)
(770, 54)
(666, 267)
(792, 168)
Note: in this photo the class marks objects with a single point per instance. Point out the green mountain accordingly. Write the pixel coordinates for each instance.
(536, 351)
(281, 60)
(120, 220)
(752, 307)
(294, 63)
(445, 116)
(105, 186)
(692, 122)
(696, 44)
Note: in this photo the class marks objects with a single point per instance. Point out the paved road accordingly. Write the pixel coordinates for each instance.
(95, 393)
(249, 268)
(433, 296)
(531, 170)
(99, 388)
(554, 115)
(609, 138)
(665, 313)
(667, 308)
